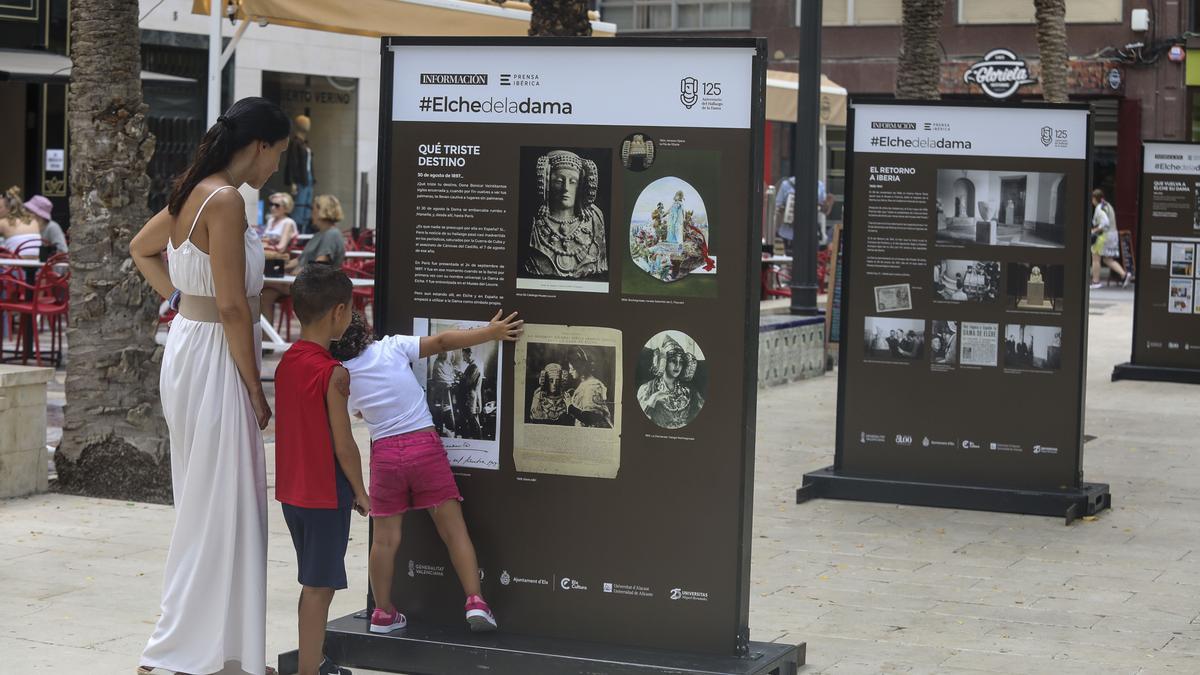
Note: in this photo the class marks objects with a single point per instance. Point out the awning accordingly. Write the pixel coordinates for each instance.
(377, 18)
(782, 86)
(28, 65)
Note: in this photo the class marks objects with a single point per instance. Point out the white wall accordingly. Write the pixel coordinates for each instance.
(291, 50)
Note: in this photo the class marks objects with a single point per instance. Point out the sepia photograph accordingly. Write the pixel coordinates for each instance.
(1035, 287)
(980, 344)
(568, 401)
(669, 231)
(1032, 347)
(1001, 208)
(671, 379)
(462, 389)
(564, 219)
(893, 298)
(637, 152)
(966, 280)
(889, 339)
(943, 343)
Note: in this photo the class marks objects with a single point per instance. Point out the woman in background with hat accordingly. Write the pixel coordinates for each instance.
(52, 232)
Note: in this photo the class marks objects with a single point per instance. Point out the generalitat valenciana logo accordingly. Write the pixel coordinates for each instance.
(1000, 74)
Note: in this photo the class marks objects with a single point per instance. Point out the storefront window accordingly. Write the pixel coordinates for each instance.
(331, 103)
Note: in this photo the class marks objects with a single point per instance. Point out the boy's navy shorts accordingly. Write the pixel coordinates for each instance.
(320, 537)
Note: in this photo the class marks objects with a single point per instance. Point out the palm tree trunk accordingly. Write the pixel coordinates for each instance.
(919, 71)
(1052, 44)
(114, 441)
(560, 17)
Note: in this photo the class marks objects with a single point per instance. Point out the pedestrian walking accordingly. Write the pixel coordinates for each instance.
(214, 586)
(1105, 240)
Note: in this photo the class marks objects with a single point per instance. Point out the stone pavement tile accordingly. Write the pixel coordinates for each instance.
(31, 656)
(1149, 623)
(1018, 614)
(1182, 644)
(1028, 665)
(1147, 641)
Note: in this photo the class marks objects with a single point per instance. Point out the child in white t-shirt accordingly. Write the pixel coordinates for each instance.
(409, 467)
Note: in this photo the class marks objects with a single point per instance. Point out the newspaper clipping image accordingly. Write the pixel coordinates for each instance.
(979, 343)
(568, 385)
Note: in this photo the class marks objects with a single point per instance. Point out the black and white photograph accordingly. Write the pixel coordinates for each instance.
(564, 219)
(889, 339)
(966, 280)
(462, 388)
(569, 385)
(568, 388)
(1032, 347)
(943, 343)
(1036, 288)
(1001, 208)
(980, 343)
(671, 379)
(637, 152)
(893, 298)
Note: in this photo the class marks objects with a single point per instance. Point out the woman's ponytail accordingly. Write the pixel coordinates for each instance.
(250, 120)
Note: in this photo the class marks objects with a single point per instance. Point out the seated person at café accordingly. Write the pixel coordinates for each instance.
(281, 229)
(327, 246)
(19, 229)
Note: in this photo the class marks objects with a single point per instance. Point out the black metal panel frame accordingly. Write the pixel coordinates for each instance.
(829, 482)
(740, 643)
(1134, 370)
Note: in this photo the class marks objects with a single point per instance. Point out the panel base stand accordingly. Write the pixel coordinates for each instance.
(1088, 500)
(444, 651)
(1132, 371)
(435, 650)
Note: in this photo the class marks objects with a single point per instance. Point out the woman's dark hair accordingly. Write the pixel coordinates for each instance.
(250, 120)
(354, 341)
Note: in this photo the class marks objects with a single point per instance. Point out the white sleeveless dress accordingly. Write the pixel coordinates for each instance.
(214, 588)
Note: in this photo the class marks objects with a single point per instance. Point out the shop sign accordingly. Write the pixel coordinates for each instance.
(1000, 74)
(1114, 79)
(56, 159)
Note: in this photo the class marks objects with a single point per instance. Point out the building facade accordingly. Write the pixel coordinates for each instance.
(1125, 69)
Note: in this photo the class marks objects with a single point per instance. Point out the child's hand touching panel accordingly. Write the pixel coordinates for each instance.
(508, 328)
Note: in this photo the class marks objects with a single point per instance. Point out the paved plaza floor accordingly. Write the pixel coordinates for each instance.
(872, 588)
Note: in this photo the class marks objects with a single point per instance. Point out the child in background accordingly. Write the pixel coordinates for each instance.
(409, 467)
(318, 472)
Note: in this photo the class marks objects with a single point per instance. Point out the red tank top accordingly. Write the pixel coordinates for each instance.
(305, 466)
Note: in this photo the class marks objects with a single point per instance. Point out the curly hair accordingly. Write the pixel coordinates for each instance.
(354, 341)
(327, 207)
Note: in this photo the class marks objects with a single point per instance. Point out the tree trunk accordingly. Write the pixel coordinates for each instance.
(115, 441)
(560, 17)
(919, 71)
(1052, 45)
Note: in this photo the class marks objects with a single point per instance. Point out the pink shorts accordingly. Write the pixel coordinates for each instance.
(410, 471)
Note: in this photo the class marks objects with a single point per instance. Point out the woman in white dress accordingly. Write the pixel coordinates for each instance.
(214, 587)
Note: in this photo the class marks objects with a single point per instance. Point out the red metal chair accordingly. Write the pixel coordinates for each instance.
(47, 298)
(362, 297)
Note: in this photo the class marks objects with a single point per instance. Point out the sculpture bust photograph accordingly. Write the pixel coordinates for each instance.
(567, 239)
